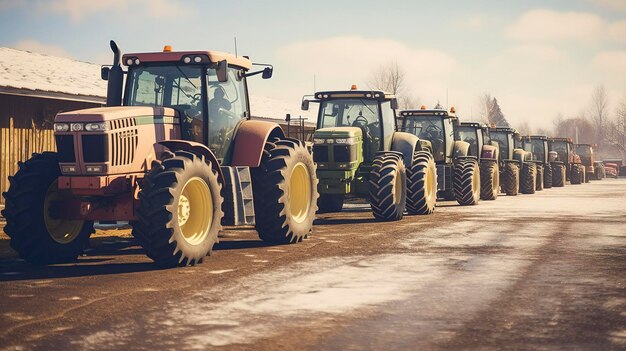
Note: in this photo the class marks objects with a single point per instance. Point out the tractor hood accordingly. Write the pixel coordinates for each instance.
(102, 114)
(339, 132)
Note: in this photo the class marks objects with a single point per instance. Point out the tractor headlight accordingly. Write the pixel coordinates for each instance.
(319, 141)
(76, 127)
(61, 127)
(96, 127)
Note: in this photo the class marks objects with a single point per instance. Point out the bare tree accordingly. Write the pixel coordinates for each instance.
(388, 78)
(599, 113)
(524, 128)
(485, 105)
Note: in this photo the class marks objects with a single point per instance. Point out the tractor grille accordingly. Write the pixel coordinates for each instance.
(123, 146)
(344, 153)
(123, 123)
(95, 148)
(65, 148)
(320, 153)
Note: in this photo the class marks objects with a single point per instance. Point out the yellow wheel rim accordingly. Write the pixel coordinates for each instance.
(300, 191)
(62, 231)
(397, 188)
(195, 211)
(429, 182)
(476, 182)
(496, 180)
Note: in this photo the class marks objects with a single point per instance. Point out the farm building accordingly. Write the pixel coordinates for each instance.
(35, 87)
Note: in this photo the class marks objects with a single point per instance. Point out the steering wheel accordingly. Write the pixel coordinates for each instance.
(197, 97)
(432, 132)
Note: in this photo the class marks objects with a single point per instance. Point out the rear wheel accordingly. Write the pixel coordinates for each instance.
(388, 187)
(547, 176)
(285, 192)
(528, 177)
(421, 184)
(180, 210)
(489, 180)
(36, 233)
(575, 175)
(558, 175)
(467, 182)
(328, 203)
(539, 180)
(510, 179)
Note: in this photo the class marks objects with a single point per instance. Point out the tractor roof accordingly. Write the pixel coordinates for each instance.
(504, 129)
(417, 113)
(179, 56)
(567, 140)
(354, 94)
(474, 124)
(535, 137)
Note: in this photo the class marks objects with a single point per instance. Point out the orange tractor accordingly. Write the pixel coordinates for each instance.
(174, 153)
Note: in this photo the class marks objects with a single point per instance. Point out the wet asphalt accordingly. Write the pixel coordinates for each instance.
(531, 272)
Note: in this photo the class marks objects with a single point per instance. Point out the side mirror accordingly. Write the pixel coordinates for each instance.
(394, 103)
(104, 73)
(305, 105)
(222, 71)
(267, 72)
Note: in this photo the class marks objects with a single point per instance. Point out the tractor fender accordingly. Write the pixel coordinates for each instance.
(198, 149)
(405, 143)
(250, 140)
(489, 152)
(521, 155)
(460, 149)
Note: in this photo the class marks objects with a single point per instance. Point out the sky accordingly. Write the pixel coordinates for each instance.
(538, 58)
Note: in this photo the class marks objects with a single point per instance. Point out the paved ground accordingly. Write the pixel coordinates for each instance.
(540, 272)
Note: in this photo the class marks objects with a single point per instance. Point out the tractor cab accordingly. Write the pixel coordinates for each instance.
(538, 146)
(564, 149)
(436, 126)
(507, 139)
(477, 136)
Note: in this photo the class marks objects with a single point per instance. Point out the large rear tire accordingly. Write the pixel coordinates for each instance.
(489, 179)
(467, 182)
(539, 180)
(388, 187)
(36, 235)
(421, 184)
(285, 192)
(180, 210)
(510, 179)
(558, 175)
(328, 203)
(575, 174)
(547, 176)
(528, 177)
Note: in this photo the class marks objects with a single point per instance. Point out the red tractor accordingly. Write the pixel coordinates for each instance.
(176, 155)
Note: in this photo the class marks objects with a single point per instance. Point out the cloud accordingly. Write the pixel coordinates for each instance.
(611, 62)
(619, 5)
(543, 25)
(80, 10)
(39, 47)
(6, 5)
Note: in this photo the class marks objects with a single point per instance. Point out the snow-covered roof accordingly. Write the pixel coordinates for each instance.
(34, 74)
(29, 73)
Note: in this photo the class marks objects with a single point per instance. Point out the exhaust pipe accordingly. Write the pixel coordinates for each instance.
(116, 78)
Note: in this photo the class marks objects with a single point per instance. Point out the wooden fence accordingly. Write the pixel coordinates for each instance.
(17, 144)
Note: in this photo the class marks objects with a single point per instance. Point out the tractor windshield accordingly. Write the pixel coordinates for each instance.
(583, 150)
(536, 146)
(428, 128)
(360, 113)
(468, 135)
(503, 139)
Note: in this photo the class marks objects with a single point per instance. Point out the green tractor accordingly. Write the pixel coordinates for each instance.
(458, 172)
(571, 168)
(519, 172)
(477, 135)
(538, 146)
(359, 153)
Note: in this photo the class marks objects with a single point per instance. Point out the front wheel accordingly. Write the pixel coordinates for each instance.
(36, 233)
(489, 180)
(421, 184)
(180, 210)
(575, 174)
(285, 192)
(539, 181)
(510, 179)
(467, 182)
(528, 177)
(547, 176)
(558, 175)
(388, 187)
